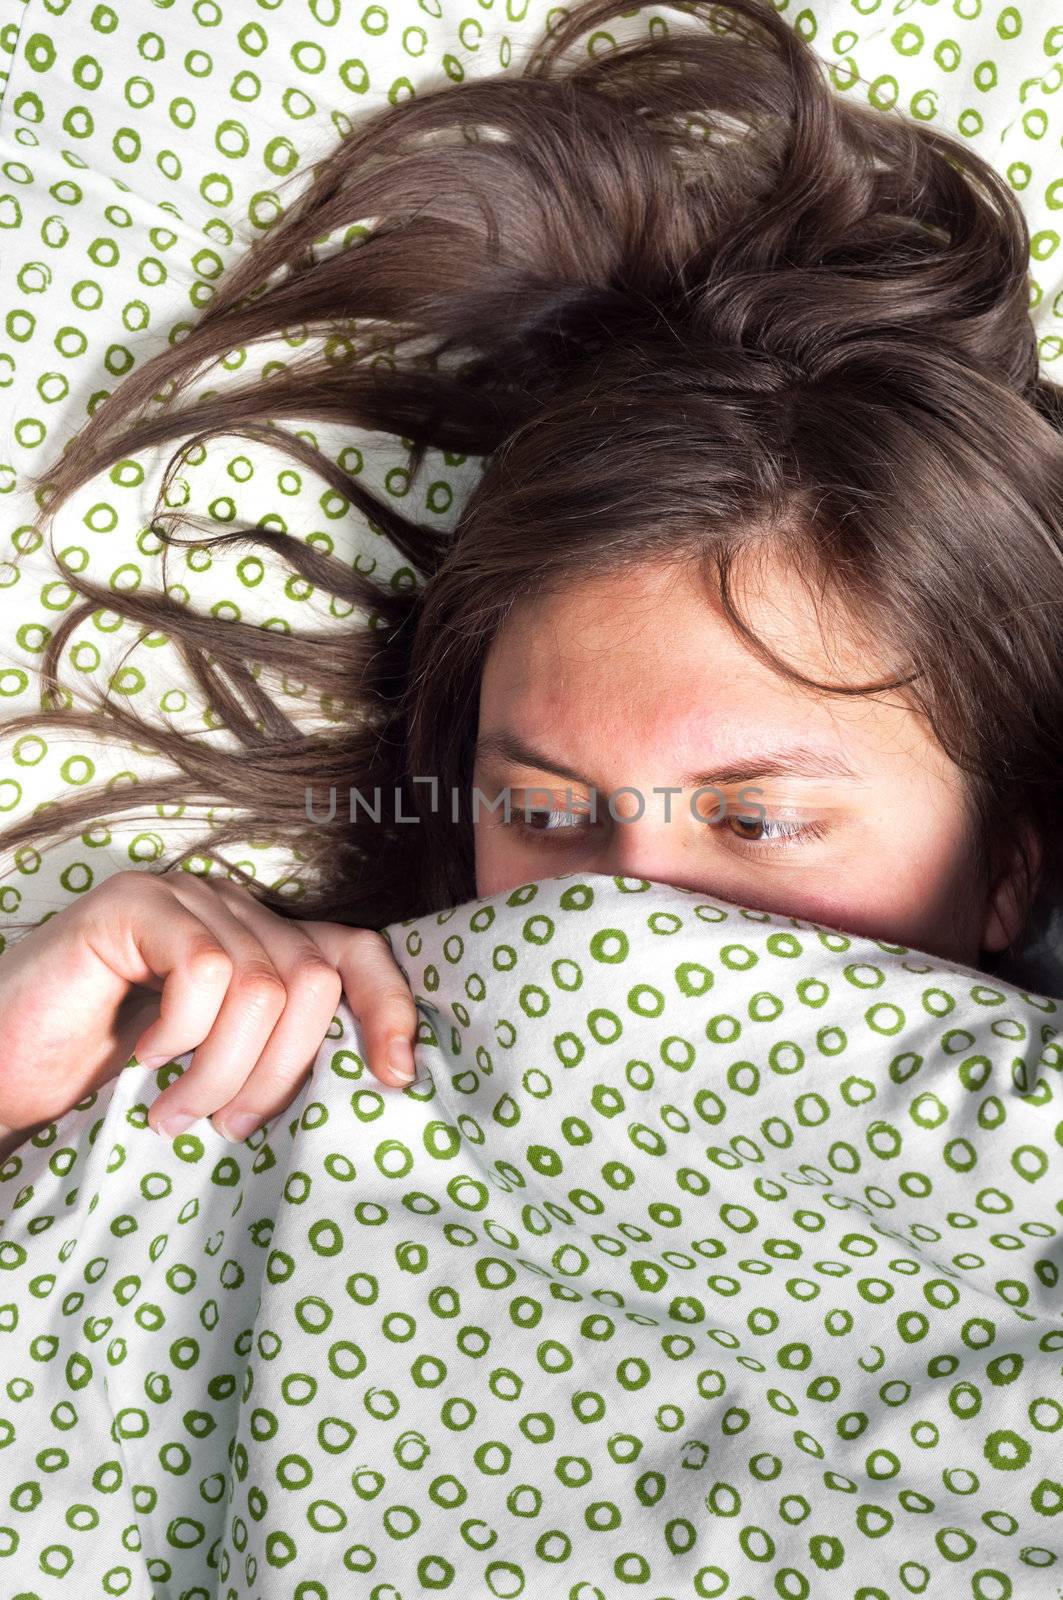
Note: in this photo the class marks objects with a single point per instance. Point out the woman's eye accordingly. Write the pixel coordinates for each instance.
(564, 824)
(548, 821)
(755, 828)
(770, 830)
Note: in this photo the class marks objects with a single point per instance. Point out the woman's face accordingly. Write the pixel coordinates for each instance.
(842, 811)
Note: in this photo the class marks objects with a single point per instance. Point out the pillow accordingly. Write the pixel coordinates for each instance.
(144, 148)
(711, 1252)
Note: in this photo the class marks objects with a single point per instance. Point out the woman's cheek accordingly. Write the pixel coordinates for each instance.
(501, 861)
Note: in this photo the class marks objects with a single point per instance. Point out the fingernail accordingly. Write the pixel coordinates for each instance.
(152, 1061)
(237, 1125)
(400, 1060)
(173, 1123)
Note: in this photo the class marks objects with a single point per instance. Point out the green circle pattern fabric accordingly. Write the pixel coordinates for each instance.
(142, 149)
(710, 1253)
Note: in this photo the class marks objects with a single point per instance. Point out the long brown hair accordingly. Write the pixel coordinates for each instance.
(680, 298)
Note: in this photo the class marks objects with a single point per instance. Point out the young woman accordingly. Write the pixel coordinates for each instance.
(772, 501)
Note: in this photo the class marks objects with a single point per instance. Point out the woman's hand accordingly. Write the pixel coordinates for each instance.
(159, 964)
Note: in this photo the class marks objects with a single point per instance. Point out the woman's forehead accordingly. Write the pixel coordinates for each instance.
(644, 663)
(663, 626)
(674, 604)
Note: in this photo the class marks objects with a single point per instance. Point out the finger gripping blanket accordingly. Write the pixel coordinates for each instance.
(710, 1254)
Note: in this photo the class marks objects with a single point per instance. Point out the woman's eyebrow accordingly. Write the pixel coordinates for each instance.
(794, 761)
(505, 745)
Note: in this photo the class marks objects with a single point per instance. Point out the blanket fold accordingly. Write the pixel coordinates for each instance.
(710, 1253)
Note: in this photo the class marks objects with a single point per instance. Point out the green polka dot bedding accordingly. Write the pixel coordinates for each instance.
(711, 1253)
